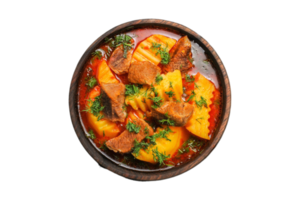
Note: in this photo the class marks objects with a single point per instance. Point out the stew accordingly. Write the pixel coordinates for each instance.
(149, 99)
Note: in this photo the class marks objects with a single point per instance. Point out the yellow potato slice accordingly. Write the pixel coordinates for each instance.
(144, 52)
(198, 123)
(163, 145)
(104, 74)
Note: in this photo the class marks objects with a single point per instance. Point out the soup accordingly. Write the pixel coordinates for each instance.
(149, 99)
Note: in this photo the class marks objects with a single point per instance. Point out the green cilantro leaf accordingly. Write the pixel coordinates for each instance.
(131, 127)
(201, 102)
(131, 90)
(91, 81)
(170, 93)
(191, 96)
(159, 157)
(158, 79)
(91, 134)
(189, 78)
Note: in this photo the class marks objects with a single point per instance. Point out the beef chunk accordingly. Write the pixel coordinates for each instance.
(125, 141)
(180, 112)
(113, 97)
(143, 72)
(118, 63)
(180, 56)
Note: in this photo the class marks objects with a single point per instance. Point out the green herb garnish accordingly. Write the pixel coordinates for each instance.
(91, 134)
(170, 93)
(201, 102)
(124, 40)
(171, 85)
(131, 127)
(138, 146)
(192, 143)
(146, 130)
(131, 90)
(189, 78)
(91, 81)
(96, 54)
(192, 96)
(157, 102)
(158, 79)
(100, 117)
(167, 121)
(165, 56)
(103, 146)
(159, 157)
(152, 88)
(95, 107)
(191, 60)
(161, 134)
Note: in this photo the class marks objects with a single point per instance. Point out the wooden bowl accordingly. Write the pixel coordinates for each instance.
(157, 175)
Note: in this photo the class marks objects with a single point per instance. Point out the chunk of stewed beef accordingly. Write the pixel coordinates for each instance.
(180, 56)
(177, 112)
(143, 72)
(113, 97)
(125, 141)
(118, 63)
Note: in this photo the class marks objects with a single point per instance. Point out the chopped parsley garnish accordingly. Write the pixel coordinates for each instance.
(131, 127)
(217, 102)
(91, 134)
(201, 102)
(192, 143)
(131, 90)
(189, 78)
(155, 45)
(146, 130)
(144, 145)
(157, 102)
(107, 40)
(167, 121)
(152, 88)
(100, 117)
(192, 96)
(138, 146)
(159, 157)
(122, 39)
(91, 81)
(165, 56)
(126, 41)
(198, 119)
(108, 52)
(95, 107)
(158, 79)
(103, 146)
(96, 54)
(171, 85)
(161, 134)
(191, 60)
(170, 93)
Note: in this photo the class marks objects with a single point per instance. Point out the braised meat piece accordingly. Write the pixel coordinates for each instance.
(178, 112)
(113, 97)
(125, 141)
(143, 72)
(180, 56)
(118, 63)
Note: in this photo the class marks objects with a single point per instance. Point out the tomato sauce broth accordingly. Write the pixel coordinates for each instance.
(201, 64)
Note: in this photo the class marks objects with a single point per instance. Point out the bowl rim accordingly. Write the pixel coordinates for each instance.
(157, 175)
